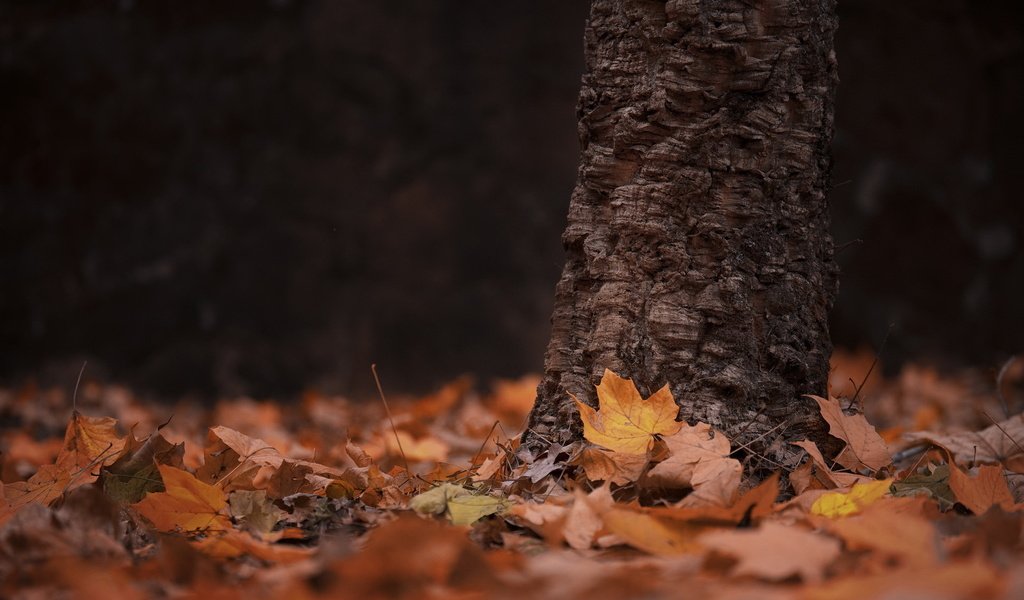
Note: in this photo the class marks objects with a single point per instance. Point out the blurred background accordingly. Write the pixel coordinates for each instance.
(262, 197)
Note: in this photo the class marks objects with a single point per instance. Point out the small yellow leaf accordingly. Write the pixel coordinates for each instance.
(625, 422)
(466, 510)
(838, 504)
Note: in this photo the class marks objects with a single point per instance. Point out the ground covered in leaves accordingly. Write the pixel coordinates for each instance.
(326, 498)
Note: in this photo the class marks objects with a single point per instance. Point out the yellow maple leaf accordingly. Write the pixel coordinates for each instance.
(625, 422)
(838, 504)
(187, 504)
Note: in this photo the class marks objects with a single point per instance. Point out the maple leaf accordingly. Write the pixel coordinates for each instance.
(775, 552)
(187, 504)
(89, 442)
(864, 447)
(653, 534)
(983, 491)
(45, 486)
(699, 458)
(625, 422)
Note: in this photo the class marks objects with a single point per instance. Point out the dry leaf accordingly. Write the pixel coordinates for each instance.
(983, 491)
(864, 447)
(908, 538)
(89, 443)
(996, 443)
(838, 504)
(655, 535)
(816, 474)
(625, 422)
(619, 468)
(699, 458)
(187, 504)
(775, 552)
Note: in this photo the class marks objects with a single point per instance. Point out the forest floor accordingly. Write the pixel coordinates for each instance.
(327, 498)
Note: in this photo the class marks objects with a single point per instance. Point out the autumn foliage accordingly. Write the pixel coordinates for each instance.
(328, 498)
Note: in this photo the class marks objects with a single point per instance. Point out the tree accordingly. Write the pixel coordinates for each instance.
(697, 239)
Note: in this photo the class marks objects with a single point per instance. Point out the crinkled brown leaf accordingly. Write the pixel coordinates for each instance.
(864, 447)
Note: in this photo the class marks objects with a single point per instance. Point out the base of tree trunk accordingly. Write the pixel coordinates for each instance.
(697, 240)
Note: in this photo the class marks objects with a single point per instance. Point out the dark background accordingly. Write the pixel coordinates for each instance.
(261, 197)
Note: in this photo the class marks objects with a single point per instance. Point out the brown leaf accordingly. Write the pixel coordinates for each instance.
(232, 544)
(615, 467)
(864, 447)
(775, 552)
(996, 443)
(906, 537)
(983, 491)
(815, 474)
(699, 458)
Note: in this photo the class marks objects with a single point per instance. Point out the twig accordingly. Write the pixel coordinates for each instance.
(872, 367)
(387, 409)
(74, 395)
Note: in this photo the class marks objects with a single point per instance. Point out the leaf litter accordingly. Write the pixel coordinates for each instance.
(334, 499)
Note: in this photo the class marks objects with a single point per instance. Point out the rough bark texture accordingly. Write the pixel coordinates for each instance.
(697, 239)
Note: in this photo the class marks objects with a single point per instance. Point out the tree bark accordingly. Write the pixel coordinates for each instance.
(697, 239)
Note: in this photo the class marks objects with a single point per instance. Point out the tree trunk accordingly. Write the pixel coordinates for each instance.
(697, 239)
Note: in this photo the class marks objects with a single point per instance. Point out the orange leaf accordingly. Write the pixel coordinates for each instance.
(89, 443)
(187, 504)
(775, 552)
(619, 468)
(659, 536)
(864, 447)
(49, 482)
(625, 422)
(983, 491)
(234, 543)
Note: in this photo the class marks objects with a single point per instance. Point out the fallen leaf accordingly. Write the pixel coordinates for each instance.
(134, 474)
(187, 504)
(932, 483)
(908, 538)
(435, 500)
(625, 422)
(232, 544)
(983, 491)
(468, 509)
(89, 443)
(775, 552)
(816, 474)
(254, 510)
(996, 443)
(699, 458)
(838, 504)
(48, 484)
(655, 535)
(619, 468)
(583, 521)
(864, 447)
